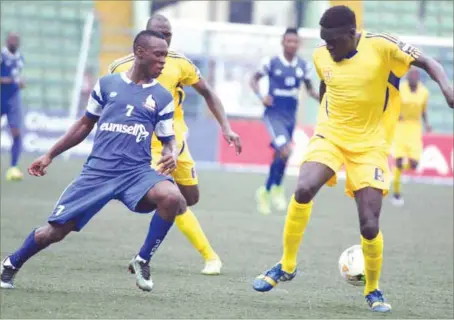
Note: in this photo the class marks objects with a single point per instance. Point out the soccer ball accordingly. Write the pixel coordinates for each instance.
(351, 266)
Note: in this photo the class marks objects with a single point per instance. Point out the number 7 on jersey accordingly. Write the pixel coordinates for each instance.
(129, 111)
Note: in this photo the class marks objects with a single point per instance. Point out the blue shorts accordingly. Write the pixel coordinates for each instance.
(91, 191)
(13, 111)
(281, 131)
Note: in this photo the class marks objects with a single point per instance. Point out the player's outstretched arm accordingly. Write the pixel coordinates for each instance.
(438, 74)
(216, 107)
(75, 135)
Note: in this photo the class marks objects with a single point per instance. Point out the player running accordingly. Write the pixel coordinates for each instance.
(179, 71)
(127, 109)
(408, 136)
(357, 70)
(12, 63)
(286, 72)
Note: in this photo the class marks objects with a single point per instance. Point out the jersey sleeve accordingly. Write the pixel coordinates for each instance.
(308, 70)
(399, 53)
(164, 125)
(95, 102)
(264, 67)
(190, 72)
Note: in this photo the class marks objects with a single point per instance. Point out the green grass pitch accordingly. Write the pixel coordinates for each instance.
(85, 276)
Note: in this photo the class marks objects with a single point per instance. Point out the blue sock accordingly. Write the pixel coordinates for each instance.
(29, 249)
(280, 170)
(271, 176)
(16, 150)
(156, 233)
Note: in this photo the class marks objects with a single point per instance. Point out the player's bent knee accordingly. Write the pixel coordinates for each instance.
(369, 228)
(190, 193)
(304, 193)
(53, 233)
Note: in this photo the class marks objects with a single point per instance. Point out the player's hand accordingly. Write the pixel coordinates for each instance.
(267, 101)
(167, 164)
(38, 167)
(21, 84)
(233, 139)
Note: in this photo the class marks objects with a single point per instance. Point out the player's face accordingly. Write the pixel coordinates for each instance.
(164, 27)
(153, 57)
(13, 42)
(339, 45)
(413, 77)
(291, 43)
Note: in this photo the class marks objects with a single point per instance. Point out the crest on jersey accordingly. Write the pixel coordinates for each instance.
(327, 73)
(278, 72)
(113, 94)
(150, 103)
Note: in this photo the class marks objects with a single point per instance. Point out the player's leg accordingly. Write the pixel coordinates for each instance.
(279, 140)
(321, 162)
(186, 178)
(145, 191)
(80, 201)
(368, 182)
(14, 116)
(277, 191)
(397, 199)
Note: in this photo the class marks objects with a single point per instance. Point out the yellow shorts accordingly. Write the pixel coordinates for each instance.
(407, 141)
(185, 173)
(363, 169)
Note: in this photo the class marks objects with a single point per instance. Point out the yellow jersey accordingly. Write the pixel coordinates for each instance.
(413, 103)
(178, 71)
(358, 91)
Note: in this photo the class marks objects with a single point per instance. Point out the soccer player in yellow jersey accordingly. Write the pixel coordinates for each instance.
(357, 70)
(179, 71)
(408, 136)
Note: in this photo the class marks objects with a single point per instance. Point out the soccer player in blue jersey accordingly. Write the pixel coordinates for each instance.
(127, 108)
(286, 72)
(12, 63)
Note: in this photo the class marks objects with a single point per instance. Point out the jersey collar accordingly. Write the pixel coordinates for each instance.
(286, 63)
(125, 78)
(8, 53)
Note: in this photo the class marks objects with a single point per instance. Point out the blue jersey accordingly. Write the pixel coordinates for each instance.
(127, 114)
(284, 82)
(11, 67)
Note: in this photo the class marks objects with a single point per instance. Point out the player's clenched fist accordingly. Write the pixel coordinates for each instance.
(167, 164)
(38, 167)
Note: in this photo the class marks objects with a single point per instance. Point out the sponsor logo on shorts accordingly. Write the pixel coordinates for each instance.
(137, 130)
(379, 175)
(193, 173)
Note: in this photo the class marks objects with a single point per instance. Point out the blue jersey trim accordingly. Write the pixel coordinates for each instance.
(394, 80)
(91, 115)
(166, 139)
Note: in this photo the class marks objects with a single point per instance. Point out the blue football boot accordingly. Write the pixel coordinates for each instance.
(268, 280)
(377, 302)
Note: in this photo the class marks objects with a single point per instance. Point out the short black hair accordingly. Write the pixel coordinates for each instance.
(291, 31)
(156, 17)
(338, 16)
(140, 37)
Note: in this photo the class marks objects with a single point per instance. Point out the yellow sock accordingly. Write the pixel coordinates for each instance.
(396, 181)
(373, 259)
(190, 226)
(298, 215)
